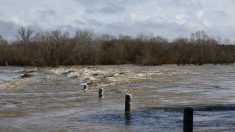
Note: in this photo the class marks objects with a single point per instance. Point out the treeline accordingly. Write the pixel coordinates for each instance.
(86, 48)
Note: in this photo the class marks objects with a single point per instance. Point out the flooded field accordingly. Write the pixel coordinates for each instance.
(52, 99)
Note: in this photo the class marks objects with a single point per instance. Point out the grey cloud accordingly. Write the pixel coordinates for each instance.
(167, 30)
(219, 17)
(47, 13)
(108, 8)
(112, 8)
(89, 23)
(8, 30)
(80, 22)
(169, 18)
(93, 22)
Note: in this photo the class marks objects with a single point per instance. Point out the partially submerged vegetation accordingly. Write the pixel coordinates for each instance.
(86, 48)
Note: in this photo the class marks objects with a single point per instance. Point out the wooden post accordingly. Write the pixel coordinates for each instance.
(128, 99)
(127, 119)
(188, 120)
(101, 92)
(85, 86)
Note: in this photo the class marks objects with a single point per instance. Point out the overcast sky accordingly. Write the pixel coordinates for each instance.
(167, 18)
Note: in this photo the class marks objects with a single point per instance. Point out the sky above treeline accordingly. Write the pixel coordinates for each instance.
(167, 18)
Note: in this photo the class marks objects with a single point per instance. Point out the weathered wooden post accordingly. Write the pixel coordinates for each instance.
(101, 92)
(128, 99)
(127, 119)
(188, 120)
(85, 86)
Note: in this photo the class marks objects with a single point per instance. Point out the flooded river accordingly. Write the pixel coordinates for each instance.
(53, 100)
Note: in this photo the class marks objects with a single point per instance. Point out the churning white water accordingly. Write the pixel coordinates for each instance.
(52, 99)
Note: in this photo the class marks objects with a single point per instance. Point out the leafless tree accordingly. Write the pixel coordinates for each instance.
(57, 48)
(25, 35)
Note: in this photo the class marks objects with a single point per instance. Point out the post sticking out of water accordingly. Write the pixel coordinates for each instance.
(101, 92)
(85, 86)
(188, 120)
(128, 99)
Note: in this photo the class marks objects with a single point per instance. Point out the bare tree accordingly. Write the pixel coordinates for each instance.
(25, 35)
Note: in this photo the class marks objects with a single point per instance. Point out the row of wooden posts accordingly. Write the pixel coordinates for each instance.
(188, 112)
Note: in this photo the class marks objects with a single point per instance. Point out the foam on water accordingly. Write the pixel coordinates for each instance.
(52, 99)
(10, 74)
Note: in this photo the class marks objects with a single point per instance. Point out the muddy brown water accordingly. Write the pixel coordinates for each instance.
(52, 99)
